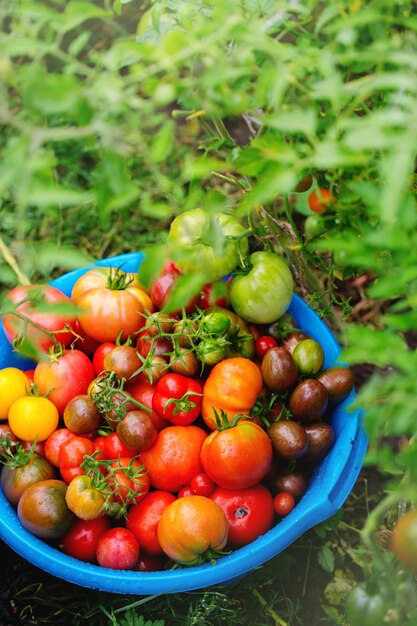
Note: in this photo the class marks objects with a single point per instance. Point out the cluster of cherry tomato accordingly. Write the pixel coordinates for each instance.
(143, 438)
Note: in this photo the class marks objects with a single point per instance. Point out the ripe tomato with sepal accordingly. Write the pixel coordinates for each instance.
(178, 399)
(65, 374)
(71, 455)
(237, 456)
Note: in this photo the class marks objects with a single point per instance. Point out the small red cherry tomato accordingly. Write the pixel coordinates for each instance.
(81, 540)
(178, 399)
(54, 442)
(283, 503)
(143, 519)
(143, 391)
(185, 491)
(201, 484)
(319, 200)
(214, 294)
(113, 448)
(250, 512)
(118, 548)
(263, 344)
(99, 354)
(71, 455)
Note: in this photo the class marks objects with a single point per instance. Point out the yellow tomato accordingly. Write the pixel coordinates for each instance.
(33, 418)
(13, 385)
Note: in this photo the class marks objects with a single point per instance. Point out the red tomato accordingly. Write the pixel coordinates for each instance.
(113, 448)
(54, 442)
(161, 289)
(283, 503)
(250, 512)
(81, 540)
(71, 455)
(39, 447)
(64, 377)
(160, 346)
(54, 322)
(319, 200)
(174, 458)
(99, 354)
(143, 519)
(30, 374)
(99, 447)
(118, 548)
(201, 484)
(178, 399)
(128, 481)
(214, 294)
(186, 491)
(113, 304)
(237, 457)
(143, 391)
(263, 344)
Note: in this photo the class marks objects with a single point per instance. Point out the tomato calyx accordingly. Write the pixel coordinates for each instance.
(271, 408)
(183, 404)
(223, 421)
(210, 556)
(13, 454)
(118, 280)
(112, 399)
(104, 478)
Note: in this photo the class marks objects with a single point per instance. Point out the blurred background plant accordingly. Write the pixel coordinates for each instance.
(117, 116)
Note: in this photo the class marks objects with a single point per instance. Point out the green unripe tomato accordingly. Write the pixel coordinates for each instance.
(309, 357)
(215, 323)
(207, 243)
(314, 226)
(364, 607)
(263, 294)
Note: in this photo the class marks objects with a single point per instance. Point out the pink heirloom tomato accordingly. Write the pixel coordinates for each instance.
(33, 336)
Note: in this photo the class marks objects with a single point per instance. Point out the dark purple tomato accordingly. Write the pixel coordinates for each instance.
(279, 371)
(308, 401)
(289, 439)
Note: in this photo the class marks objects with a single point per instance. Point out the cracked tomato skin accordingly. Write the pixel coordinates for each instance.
(192, 529)
(237, 457)
(174, 458)
(249, 512)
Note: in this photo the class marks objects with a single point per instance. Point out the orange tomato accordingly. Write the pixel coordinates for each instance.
(174, 458)
(232, 387)
(192, 529)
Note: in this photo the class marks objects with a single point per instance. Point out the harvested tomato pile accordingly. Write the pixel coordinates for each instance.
(144, 438)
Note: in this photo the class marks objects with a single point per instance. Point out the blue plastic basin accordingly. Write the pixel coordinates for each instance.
(329, 487)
